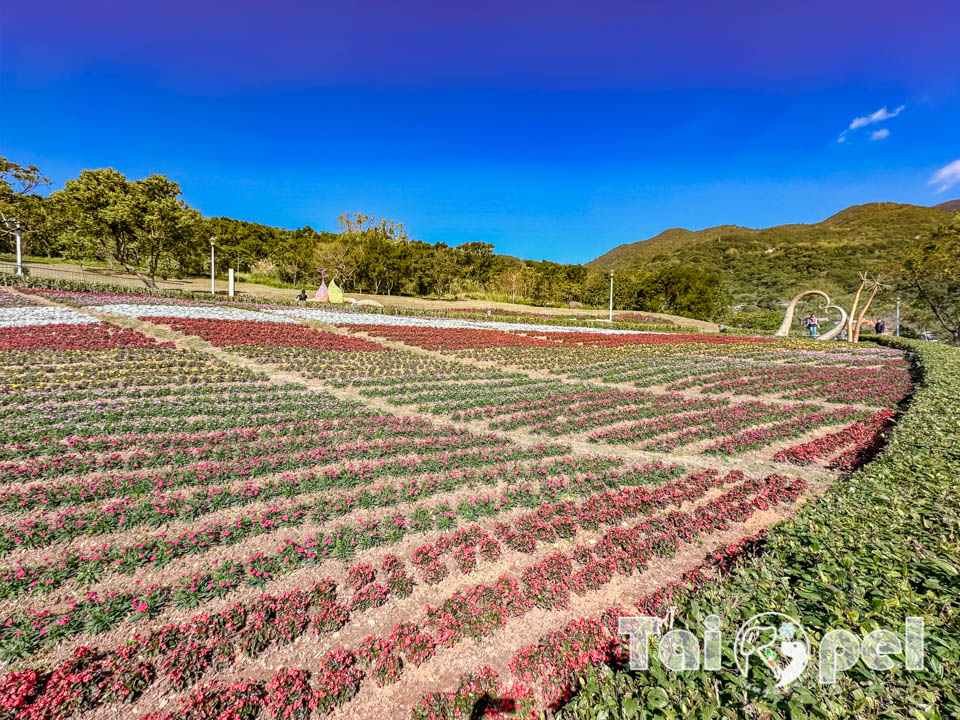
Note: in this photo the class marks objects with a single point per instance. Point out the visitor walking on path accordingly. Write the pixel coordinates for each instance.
(879, 327)
(813, 326)
(302, 297)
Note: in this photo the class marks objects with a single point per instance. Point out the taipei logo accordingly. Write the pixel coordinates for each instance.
(776, 641)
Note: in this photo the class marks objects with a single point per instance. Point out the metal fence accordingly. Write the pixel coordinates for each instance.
(40, 271)
(91, 276)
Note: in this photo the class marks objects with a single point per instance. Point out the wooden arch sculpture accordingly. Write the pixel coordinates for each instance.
(784, 330)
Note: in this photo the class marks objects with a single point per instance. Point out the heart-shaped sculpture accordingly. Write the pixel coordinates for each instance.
(784, 330)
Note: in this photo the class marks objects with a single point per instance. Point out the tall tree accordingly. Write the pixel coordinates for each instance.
(517, 281)
(19, 204)
(682, 290)
(341, 258)
(165, 227)
(442, 269)
(140, 225)
(17, 180)
(479, 262)
(930, 275)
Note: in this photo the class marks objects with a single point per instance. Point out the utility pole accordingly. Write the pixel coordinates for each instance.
(611, 296)
(896, 326)
(213, 281)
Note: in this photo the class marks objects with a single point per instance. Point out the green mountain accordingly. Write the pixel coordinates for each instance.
(764, 267)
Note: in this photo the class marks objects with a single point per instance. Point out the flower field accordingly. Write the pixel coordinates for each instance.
(230, 512)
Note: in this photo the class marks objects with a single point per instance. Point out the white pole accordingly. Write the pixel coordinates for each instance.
(16, 235)
(230, 277)
(611, 296)
(896, 327)
(213, 281)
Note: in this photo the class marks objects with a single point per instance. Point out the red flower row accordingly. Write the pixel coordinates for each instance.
(859, 434)
(251, 332)
(476, 690)
(431, 338)
(94, 336)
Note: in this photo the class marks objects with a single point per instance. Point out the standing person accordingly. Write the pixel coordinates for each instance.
(879, 327)
(813, 326)
(302, 297)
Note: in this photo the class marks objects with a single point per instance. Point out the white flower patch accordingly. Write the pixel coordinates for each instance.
(334, 317)
(42, 315)
(189, 312)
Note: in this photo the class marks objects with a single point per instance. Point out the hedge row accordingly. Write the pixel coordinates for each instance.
(876, 548)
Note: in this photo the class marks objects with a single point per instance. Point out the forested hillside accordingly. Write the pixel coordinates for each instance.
(763, 267)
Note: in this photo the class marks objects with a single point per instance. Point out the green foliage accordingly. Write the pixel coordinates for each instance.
(929, 271)
(871, 551)
(143, 225)
(18, 203)
(558, 283)
(290, 254)
(18, 181)
(767, 321)
(766, 267)
(682, 290)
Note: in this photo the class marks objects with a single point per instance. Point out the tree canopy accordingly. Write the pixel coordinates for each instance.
(143, 225)
(147, 228)
(929, 274)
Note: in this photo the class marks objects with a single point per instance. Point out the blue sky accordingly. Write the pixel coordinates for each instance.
(553, 130)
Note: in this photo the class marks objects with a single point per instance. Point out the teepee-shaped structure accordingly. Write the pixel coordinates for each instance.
(335, 293)
(323, 294)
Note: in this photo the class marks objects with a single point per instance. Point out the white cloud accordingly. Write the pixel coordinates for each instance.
(872, 119)
(946, 177)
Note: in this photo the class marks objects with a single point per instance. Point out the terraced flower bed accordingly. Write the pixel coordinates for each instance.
(290, 522)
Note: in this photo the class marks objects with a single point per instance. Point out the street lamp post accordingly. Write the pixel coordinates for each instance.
(13, 228)
(16, 237)
(611, 296)
(213, 282)
(896, 326)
